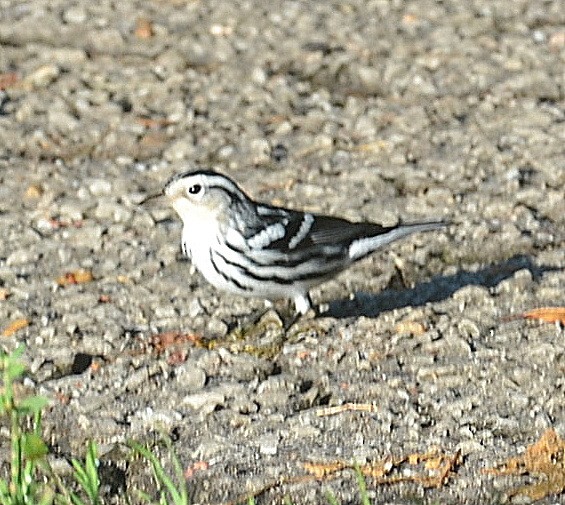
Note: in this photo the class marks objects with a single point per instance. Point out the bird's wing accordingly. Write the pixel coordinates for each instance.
(334, 230)
(288, 231)
(295, 234)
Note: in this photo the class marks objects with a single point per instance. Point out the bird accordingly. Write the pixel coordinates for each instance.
(255, 249)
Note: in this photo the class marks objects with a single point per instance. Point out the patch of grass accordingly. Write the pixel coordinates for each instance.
(170, 492)
(87, 476)
(364, 495)
(32, 481)
(27, 447)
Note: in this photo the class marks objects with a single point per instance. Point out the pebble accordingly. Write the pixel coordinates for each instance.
(179, 150)
(100, 187)
(190, 377)
(75, 15)
(43, 76)
(268, 445)
(88, 236)
(259, 151)
(205, 402)
(274, 392)
(150, 419)
(365, 111)
(370, 79)
(21, 257)
(67, 57)
(110, 210)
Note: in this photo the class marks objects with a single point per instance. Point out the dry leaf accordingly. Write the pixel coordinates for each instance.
(15, 326)
(76, 277)
(149, 122)
(545, 458)
(409, 19)
(443, 465)
(57, 223)
(177, 357)
(196, 467)
(321, 470)
(8, 80)
(356, 407)
(286, 185)
(162, 341)
(546, 314)
(375, 146)
(437, 467)
(410, 328)
(34, 192)
(95, 366)
(380, 469)
(143, 28)
(557, 41)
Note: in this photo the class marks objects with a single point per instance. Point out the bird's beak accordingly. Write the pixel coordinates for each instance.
(152, 197)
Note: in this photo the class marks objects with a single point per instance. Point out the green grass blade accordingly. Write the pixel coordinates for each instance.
(332, 500)
(91, 470)
(362, 484)
(87, 476)
(178, 471)
(160, 475)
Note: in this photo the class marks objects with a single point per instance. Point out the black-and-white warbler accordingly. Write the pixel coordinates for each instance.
(255, 249)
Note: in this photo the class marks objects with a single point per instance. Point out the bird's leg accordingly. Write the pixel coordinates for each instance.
(304, 309)
(303, 303)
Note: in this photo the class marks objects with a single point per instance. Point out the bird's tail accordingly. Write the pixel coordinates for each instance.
(363, 246)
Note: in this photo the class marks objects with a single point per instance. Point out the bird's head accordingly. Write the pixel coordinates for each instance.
(202, 195)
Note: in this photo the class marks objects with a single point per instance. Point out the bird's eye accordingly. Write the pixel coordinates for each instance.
(195, 189)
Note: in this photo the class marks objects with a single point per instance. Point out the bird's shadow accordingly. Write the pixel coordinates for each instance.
(437, 289)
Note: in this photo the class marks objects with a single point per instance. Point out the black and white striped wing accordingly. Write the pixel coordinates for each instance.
(290, 232)
(293, 235)
(286, 247)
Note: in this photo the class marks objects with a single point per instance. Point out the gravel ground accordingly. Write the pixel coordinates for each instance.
(379, 110)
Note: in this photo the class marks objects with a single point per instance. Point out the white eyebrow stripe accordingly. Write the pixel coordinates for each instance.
(302, 232)
(267, 236)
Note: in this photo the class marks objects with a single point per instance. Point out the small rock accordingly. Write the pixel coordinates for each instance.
(370, 79)
(521, 499)
(268, 445)
(190, 377)
(154, 419)
(164, 312)
(179, 150)
(259, 151)
(208, 449)
(217, 327)
(194, 308)
(33, 192)
(62, 120)
(99, 187)
(204, 402)
(75, 15)
(21, 257)
(87, 236)
(274, 393)
(225, 152)
(68, 57)
(43, 76)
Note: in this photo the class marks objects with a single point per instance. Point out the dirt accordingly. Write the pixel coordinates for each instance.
(380, 111)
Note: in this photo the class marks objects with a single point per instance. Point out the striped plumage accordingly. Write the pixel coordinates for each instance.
(255, 249)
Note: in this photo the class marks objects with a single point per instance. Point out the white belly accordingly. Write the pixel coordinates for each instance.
(198, 240)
